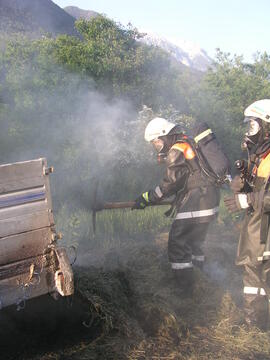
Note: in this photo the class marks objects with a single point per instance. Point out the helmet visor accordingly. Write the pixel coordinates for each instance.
(252, 126)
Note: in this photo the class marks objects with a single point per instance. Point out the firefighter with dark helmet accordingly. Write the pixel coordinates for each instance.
(196, 199)
(251, 192)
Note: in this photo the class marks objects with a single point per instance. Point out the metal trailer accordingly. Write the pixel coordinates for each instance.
(31, 264)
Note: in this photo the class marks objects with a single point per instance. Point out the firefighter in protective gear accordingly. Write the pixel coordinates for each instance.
(251, 192)
(195, 203)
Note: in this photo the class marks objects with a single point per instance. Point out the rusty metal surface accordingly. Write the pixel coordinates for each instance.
(22, 267)
(24, 245)
(64, 274)
(21, 288)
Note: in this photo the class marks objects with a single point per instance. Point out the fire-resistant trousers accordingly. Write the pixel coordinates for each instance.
(256, 283)
(256, 304)
(185, 242)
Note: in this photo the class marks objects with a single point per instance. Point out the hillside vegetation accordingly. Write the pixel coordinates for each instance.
(81, 95)
(83, 102)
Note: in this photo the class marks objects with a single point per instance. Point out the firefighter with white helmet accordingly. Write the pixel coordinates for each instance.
(156, 128)
(196, 199)
(251, 192)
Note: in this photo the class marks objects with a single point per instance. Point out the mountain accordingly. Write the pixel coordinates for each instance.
(184, 52)
(34, 17)
(78, 13)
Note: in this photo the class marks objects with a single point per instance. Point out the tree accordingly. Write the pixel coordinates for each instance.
(74, 100)
(226, 90)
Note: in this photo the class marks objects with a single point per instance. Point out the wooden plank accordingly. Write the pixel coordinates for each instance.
(22, 197)
(12, 290)
(25, 245)
(22, 184)
(15, 204)
(48, 191)
(21, 170)
(47, 186)
(24, 223)
(17, 211)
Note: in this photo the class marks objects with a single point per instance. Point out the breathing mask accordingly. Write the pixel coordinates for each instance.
(159, 146)
(252, 134)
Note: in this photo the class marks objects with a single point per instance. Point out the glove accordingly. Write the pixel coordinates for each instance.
(236, 203)
(141, 202)
(237, 184)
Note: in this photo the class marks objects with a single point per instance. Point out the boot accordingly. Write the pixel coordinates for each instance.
(256, 311)
(198, 261)
(184, 279)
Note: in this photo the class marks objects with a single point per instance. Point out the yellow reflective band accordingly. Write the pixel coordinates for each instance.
(146, 196)
(202, 135)
(264, 167)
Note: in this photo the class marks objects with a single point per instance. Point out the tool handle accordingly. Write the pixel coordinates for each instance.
(128, 204)
(119, 205)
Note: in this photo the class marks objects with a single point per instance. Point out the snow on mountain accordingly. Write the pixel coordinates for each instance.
(185, 52)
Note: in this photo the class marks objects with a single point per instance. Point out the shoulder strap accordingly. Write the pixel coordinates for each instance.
(185, 148)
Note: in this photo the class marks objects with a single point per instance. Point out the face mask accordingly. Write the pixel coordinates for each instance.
(158, 144)
(252, 133)
(253, 127)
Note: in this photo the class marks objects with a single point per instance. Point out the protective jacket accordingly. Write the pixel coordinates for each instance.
(196, 198)
(254, 242)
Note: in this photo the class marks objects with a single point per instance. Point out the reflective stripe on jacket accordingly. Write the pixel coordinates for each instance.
(197, 199)
(196, 214)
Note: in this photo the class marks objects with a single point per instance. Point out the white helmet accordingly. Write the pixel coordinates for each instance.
(259, 109)
(156, 128)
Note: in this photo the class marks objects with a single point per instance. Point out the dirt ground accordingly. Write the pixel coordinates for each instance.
(127, 306)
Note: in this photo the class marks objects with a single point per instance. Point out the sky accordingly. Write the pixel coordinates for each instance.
(239, 27)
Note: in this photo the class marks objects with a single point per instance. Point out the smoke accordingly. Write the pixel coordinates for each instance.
(87, 136)
(102, 142)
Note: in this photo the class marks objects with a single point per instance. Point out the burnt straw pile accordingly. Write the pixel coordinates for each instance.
(130, 308)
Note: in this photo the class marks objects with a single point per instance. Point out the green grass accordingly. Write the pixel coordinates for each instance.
(112, 226)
